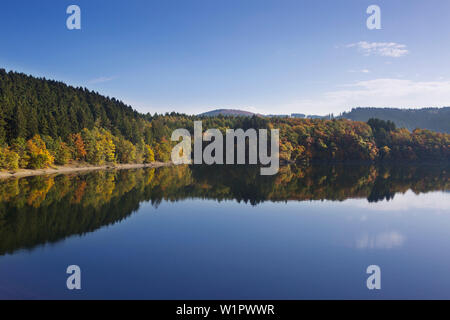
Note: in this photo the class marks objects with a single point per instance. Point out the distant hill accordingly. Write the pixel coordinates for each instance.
(242, 113)
(228, 112)
(435, 119)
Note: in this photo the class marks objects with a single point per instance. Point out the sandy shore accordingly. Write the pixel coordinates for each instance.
(78, 168)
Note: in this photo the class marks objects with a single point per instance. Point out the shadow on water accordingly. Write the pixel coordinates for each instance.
(45, 209)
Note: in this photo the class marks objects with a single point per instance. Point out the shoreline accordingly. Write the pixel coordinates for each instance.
(81, 168)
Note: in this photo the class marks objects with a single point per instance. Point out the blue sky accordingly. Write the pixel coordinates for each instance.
(267, 56)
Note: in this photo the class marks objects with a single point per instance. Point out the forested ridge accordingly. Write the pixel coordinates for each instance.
(45, 122)
(436, 119)
(32, 106)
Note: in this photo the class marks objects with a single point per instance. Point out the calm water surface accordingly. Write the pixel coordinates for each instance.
(223, 233)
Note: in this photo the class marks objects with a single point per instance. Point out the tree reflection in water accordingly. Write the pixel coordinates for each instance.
(42, 209)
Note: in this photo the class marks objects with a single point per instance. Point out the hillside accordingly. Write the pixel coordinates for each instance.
(32, 106)
(436, 119)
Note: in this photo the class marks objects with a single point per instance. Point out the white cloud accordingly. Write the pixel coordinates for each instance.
(385, 92)
(101, 80)
(385, 49)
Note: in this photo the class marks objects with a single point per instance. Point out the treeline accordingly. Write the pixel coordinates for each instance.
(435, 119)
(96, 146)
(301, 141)
(306, 140)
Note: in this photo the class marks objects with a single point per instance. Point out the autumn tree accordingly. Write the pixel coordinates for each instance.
(78, 148)
(149, 155)
(39, 156)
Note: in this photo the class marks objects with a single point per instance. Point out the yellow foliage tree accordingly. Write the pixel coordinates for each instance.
(39, 156)
(149, 155)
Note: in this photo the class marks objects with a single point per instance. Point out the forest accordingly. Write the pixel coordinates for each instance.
(45, 122)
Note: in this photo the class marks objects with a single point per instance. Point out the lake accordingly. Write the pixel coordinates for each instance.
(195, 232)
